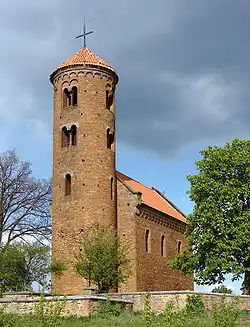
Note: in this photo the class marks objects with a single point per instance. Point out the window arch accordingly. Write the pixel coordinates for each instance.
(163, 246)
(179, 246)
(110, 138)
(109, 96)
(65, 137)
(73, 131)
(66, 98)
(147, 240)
(112, 188)
(74, 96)
(67, 185)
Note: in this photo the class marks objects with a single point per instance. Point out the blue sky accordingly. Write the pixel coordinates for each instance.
(184, 70)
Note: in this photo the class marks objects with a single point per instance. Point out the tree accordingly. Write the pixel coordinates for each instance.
(24, 201)
(102, 259)
(222, 289)
(218, 230)
(12, 269)
(21, 264)
(37, 262)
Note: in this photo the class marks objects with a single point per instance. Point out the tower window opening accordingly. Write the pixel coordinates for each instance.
(110, 138)
(179, 245)
(67, 185)
(147, 241)
(111, 188)
(66, 98)
(163, 246)
(109, 96)
(65, 137)
(73, 134)
(74, 96)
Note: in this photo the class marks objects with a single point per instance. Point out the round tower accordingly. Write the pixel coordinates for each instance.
(84, 179)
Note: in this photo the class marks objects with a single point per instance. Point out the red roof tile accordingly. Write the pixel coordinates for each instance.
(86, 56)
(152, 197)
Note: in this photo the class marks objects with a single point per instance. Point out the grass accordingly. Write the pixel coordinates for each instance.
(123, 320)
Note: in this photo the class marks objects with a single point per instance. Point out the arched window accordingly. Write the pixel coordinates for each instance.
(110, 138)
(66, 98)
(65, 137)
(147, 241)
(179, 244)
(74, 96)
(163, 246)
(111, 188)
(73, 131)
(109, 96)
(67, 185)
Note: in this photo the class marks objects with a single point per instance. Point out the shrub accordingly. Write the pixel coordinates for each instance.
(110, 309)
(195, 305)
(48, 313)
(226, 314)
(222, 289)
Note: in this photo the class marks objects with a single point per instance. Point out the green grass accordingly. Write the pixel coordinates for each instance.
(123, 320)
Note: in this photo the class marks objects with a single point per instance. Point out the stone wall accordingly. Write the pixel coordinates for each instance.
(76, 305)
(82, 305)
(159, 299)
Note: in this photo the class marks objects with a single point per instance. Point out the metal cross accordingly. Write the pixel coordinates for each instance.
(84, 34)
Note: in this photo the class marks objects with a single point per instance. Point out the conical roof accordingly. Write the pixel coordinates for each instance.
(85, 57)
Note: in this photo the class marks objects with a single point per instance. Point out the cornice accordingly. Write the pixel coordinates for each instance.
(83, 70)
(160, 219)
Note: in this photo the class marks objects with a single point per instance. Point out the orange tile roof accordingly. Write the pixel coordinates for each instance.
(86, 56)
(152, 197)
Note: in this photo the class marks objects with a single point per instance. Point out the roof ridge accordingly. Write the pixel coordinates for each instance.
(151, 188)
(169, 201)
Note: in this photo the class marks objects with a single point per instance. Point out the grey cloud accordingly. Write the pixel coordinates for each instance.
(162, 52)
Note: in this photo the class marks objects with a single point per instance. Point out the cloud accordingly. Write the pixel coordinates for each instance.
(183, 66)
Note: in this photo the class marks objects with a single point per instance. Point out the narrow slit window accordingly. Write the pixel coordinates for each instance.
(109, 96)
(67, 185)
(111, 188)
(66, 98)
(147, 241)
(179, 244)
(74, 96)
(73, 135)
(163, 246)
(110, 139)
(65, 137)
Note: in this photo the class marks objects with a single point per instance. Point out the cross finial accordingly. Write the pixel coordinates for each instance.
(84, 34)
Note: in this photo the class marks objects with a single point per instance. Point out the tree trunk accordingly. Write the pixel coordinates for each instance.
(246, 283)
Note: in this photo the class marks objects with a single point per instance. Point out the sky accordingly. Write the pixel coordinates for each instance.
(184, 80)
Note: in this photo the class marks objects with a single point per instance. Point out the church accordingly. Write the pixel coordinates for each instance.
(88, 190)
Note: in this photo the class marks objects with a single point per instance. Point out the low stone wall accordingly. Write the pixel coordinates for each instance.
(83, 305)
(159, 299)
(80, 305)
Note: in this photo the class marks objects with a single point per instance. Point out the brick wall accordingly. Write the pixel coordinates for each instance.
(149, 270)
(90, 163)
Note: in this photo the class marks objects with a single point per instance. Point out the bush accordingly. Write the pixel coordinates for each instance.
(222, 289)
(110, 309)
(195, 305)
(226, 314)
(48, 313)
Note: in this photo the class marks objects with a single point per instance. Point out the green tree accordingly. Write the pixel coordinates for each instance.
(12, 269)
(218, 230)
(37, 261)
(103, 259)
(22, 264)
(222, 289)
